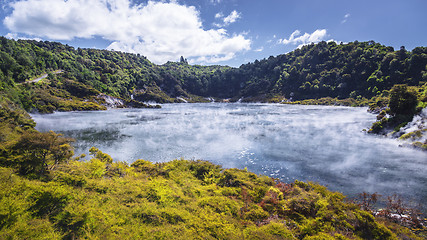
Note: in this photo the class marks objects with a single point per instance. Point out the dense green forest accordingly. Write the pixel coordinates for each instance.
(47, 193)
(357, 69)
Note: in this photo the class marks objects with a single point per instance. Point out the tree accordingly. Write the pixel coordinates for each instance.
(403, 101)
(98, 154)
(37, 152)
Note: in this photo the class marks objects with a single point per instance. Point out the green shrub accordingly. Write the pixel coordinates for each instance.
(403, 101)
(96, 168)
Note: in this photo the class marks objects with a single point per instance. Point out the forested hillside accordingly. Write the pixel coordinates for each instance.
(113, 73)
(332, 70)
(355, 69)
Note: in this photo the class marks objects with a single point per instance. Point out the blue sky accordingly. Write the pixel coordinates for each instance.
(226, 32)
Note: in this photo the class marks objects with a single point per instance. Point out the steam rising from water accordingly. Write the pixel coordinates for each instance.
(309, 143)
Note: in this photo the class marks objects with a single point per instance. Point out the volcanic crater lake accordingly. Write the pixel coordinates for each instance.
(310, 143)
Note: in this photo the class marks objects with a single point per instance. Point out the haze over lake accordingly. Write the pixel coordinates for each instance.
(308, 143)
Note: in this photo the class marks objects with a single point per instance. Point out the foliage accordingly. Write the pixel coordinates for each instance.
(29, 151)
(353, 70)
(330, 70)
(350, 102)
(402, 101)
(103, 157)
(397, 108)
(36, 152)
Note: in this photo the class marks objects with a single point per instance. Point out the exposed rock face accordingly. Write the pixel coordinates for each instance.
(415, 131)
(112, 102)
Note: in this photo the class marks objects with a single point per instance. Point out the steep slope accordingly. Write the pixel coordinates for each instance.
(332, 70)
(318, 70)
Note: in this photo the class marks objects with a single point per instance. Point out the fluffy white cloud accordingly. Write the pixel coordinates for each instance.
(234, 15)
(16, 37)
(162, 31)
(306, 38)
(227, 20)
(219, 15)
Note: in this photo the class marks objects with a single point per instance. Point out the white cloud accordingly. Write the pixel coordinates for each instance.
(17, 37)
(227, 20)
(345, 18)
(292, 38)
(259, 49)
(162, 31)
(234, 15)
(306, 38)
(219, 15)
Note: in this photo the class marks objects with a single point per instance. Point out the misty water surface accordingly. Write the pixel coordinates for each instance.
(309, 143)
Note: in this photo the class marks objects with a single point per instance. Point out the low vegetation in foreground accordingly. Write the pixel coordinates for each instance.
(46, 194)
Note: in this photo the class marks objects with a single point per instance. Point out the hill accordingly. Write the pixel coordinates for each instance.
(354, 69)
